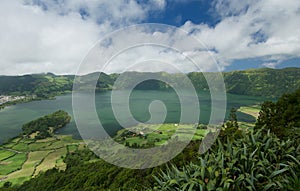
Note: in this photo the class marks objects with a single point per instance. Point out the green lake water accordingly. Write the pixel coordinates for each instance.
(12, 117)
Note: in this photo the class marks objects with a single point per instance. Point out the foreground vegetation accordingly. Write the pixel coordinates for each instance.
(253, 162)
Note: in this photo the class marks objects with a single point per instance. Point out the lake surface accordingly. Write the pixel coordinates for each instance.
(12, 117)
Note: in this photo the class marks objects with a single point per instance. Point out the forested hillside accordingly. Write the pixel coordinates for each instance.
(41, 85)
(257, 82)
(271, 82)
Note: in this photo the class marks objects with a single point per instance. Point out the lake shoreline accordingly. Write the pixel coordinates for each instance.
(10, 125)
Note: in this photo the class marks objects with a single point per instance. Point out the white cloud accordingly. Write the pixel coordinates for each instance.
(34, 41)
(270, 64)
(118, 12)
(250, 29)
(160, 4)
(145, 44)
(54, 36)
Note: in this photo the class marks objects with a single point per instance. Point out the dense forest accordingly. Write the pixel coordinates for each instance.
(254, 159)
(257, 82)
(41, 85)
(44, 126)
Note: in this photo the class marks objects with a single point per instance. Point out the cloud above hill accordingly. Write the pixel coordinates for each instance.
(54, 36)
(248, 29)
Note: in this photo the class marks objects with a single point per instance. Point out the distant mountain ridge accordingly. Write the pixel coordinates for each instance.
(269, 82)
(257, 82)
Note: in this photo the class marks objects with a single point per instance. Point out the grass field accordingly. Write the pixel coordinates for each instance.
(9, 145)
(251, 110)
(158, 134)
(21, 146)
(28, 168)
(16, 140)
(38, 146)
(50, 160)
(56, 145)
(47, 140)
(27, 141)
(28, 157)
(12, 164)
(4, 154)
(72, 148)
(60, 164)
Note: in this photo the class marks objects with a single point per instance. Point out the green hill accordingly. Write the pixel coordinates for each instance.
(269, 82)
(41, 85)
(257, 82)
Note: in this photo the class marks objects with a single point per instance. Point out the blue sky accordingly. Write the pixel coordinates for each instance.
(177, 13)
(54, 36)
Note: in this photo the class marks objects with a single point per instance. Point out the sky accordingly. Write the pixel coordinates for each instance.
(39, 36)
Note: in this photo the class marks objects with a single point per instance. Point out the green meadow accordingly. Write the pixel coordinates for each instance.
(23, 158)
(158, 134)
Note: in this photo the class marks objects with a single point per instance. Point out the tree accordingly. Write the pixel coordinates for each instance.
(232, 119)
(266, 114)
(230, 129)
(281, 117)
(7, 184)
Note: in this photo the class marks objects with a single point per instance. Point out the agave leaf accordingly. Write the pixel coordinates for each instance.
(294, 159)
(252, 138)
(191, 187)
(251, 183)
(252, 154)
(277, 172)
(172, 182)
(279, 184)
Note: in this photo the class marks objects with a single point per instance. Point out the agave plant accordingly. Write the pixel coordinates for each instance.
(255, 162)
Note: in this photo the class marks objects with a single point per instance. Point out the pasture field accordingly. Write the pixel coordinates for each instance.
(56, 145)
(142, 135)
(12, 164)
(251, 110)
(38, 146)
(23, 158)
(21, 146)
(47, 140)
(50, 160)
(15, 140)
(60, 164)
(9, 145)
(28, 168)
(27, 141)
(4, 154)
(68, 139)
(72, 148)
